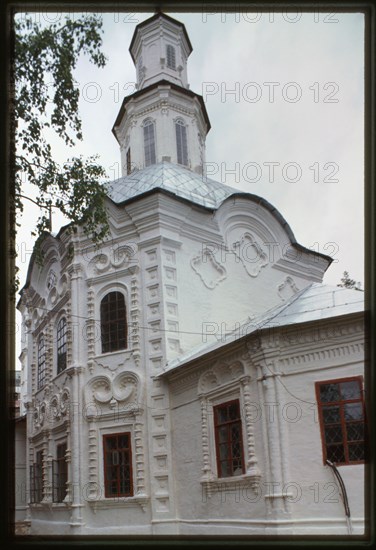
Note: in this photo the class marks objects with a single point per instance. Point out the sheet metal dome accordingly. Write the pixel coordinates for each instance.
(173, 178)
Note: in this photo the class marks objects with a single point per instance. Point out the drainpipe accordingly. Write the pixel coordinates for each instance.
(344, 495)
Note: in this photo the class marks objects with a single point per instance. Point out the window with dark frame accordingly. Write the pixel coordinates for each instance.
(59, 474)
(342, 420)
(51, 279)
(228, 439)
(149, 142)
(36, 479)
(171, 57)
(61, 337)
(41, 372)
(113, 322)
(129, 163)
(117, 465)
(181, 142)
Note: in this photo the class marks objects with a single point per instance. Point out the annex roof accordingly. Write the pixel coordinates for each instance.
(314, 303)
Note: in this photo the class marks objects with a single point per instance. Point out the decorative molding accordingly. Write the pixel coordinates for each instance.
(93, 462)
(124, 359)
(119, 502)
(287, 289)
(134, 332)
(51, 411)
(210, 271)
(328, 354)
(252, 468)
(124, 388)
(219, 376)
(252, 266)
(211, 386)
(120, 257)
(108, 276)
(140, 455)
(90, 328)
(297, 268)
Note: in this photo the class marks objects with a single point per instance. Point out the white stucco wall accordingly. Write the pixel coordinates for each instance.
(307, 497)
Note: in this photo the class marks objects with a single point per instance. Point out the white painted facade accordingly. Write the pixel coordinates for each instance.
(189, 274)
(163, 99)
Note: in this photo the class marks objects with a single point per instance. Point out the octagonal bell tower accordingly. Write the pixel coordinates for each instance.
(160, 48)
(163, 119)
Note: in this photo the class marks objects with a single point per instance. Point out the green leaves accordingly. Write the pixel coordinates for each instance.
(346, 282)
(46, 96)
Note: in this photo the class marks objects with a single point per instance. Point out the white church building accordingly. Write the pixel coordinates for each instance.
(193, 376)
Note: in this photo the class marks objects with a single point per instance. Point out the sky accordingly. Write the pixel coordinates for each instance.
(285, 97)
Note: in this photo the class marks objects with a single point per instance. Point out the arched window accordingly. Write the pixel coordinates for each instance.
(149, 142)
(181, 142)
(129, 162)
(113, 322)
(41, 374)
(171, 57)
(61, 338)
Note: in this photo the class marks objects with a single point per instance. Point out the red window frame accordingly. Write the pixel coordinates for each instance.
(128, 451)
(228, 424)
(340, 404)
(113, 322)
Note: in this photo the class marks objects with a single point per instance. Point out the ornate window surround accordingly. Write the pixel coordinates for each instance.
(179, 124)
(111, 408)
(171, 57)
(62, 315)
(41, 374)
(113, 314)
(51, 427)
(226, 382)
(153, 149)
(100, 293)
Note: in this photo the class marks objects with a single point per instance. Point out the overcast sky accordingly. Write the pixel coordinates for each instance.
(309, 118)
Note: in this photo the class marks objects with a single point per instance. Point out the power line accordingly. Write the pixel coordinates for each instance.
(140, 326)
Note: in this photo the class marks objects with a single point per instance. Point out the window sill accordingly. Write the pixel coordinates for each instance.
(215, 484)
(119, 502)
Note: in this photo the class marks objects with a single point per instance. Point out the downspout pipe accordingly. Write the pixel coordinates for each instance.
(344, 494)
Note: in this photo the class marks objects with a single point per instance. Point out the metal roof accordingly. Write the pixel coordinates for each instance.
(176, 179)
(316, 302)
(159, 15)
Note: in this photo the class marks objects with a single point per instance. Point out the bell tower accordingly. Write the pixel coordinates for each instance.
(160, 48)
(163, 120)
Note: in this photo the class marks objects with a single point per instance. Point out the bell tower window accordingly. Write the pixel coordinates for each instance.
(149, 142)
(181, 142)
(171, 57)
(129, 163)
